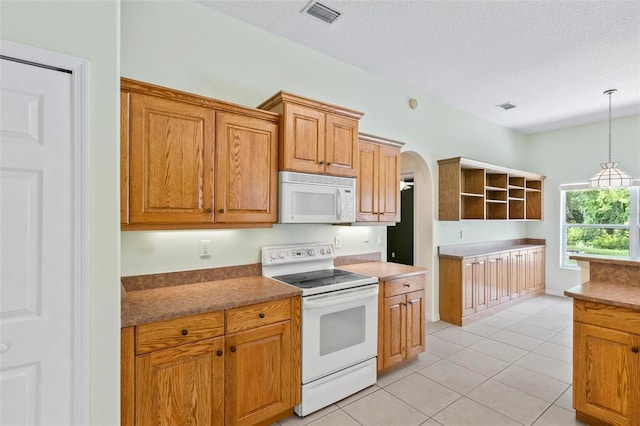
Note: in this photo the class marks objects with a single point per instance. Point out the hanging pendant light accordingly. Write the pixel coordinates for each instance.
(610, 176)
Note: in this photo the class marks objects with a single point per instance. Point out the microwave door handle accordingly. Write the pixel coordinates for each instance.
(339, 204)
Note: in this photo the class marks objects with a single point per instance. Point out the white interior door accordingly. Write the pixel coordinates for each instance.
(37, 246)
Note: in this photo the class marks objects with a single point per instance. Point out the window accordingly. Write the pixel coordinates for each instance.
(599, 222)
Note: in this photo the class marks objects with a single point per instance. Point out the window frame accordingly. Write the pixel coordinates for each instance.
(633, 226)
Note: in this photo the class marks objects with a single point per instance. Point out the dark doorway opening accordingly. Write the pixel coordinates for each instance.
(400, 237)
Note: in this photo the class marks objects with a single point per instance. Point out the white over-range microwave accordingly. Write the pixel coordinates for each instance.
(311, 198)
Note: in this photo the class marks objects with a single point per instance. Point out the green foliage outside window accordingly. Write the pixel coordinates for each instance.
(598, 207)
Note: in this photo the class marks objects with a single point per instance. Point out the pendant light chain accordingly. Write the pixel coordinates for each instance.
(610, 92)
(610, 176)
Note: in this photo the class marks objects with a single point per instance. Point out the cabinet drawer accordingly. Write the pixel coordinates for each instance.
(614, 317)
(164, 334)
(403, 285)
(252, 316)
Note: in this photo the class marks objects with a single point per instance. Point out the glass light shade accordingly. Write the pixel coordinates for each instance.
(610, 177)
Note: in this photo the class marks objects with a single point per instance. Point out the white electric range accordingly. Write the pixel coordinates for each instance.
(339, 321)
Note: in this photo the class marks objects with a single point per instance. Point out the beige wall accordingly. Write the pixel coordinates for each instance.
(573, 155)
(213, 55)
(89, 30)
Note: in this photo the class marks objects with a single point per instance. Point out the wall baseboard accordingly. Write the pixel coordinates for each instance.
(555, 292)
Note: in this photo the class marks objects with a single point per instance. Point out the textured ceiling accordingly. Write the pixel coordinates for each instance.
(552, 59)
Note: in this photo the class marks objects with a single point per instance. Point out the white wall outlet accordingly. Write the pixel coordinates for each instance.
(205, 248)
(379, 240)
(365, 239)
(337, 241)
(461, 237)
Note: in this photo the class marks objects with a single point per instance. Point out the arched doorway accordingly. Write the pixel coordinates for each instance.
(413, 165)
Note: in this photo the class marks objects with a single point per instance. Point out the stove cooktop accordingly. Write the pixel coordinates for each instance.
(320, 278)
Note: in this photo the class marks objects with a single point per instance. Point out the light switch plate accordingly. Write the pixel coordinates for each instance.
(205, 248)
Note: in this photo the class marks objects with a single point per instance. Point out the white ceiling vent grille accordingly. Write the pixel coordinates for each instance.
(322, 12)
(506, 106)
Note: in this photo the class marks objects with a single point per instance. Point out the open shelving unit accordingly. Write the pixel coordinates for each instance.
(473, 190)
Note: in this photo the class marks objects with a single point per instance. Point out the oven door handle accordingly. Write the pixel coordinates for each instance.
(326, 299)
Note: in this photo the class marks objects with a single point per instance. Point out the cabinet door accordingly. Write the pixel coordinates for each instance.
(389, 184)
(504, 288)
(368, 182)
(517, 275)
(480, 284)
(394, 330)
(468, 287)
(539, 268)
(493, 277)
(341, 146)
(246, 169)
(415, 323)
(124, 157)
(181, 385)
(303, 139)
(605, 374)
(530, 259)
(258, 374)
(171, 161)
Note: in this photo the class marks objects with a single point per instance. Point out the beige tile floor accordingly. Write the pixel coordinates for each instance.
(513, 368)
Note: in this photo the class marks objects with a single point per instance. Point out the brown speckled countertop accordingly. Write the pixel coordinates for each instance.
(384, 270)
(622, 295)
(488, 247)
(622, 261)
(155, 304)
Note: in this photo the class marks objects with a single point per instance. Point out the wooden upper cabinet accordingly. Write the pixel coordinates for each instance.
(378, 179)
(315, 137)
(473, 190)
(171, 161)
(246, 169)
(191, 162)
(341, 146)
(124, 157)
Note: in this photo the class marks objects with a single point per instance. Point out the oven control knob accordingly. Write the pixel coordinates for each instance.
(310, 252)
(281, 255)
(328, 250)
(273, 255)
(321, 251)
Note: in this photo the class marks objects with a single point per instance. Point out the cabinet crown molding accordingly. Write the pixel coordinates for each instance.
(287, 97)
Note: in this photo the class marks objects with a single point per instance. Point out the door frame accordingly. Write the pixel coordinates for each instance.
(79, 269)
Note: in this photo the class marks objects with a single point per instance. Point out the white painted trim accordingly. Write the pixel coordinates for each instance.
(555, 292)
(80, 270)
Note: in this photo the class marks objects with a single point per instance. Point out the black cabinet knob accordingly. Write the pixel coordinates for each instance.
(185, 332)
(261, 315)
(321, 162)
(209, 210)
(407, 285)
(634, 350)
(219, 352)
(221, 210)
(233, 348)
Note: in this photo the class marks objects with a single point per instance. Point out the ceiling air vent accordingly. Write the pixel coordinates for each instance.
(322, 12)
(506, 106)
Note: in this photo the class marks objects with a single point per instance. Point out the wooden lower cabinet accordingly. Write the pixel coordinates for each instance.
(606, 363)
(258, 374)
(401, 321)
(474, 287)
(181, 385)
(237, 367)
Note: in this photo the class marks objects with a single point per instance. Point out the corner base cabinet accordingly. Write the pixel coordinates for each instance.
(401, 326)
(233, 367)
(401, 304)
